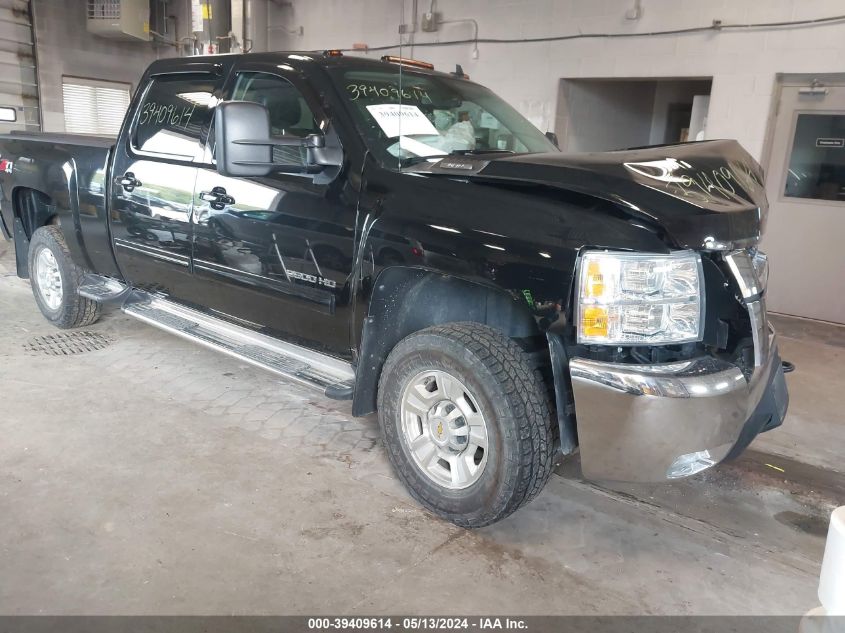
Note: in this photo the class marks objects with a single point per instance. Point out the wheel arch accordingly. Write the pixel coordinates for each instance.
(47, 194)
(34, 207)
(405, 300)
(31, 209)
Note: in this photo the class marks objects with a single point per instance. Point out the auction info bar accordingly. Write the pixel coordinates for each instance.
(306, 624)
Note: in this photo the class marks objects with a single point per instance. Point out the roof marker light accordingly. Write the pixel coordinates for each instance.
(404, 61)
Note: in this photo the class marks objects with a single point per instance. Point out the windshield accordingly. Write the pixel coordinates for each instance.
(432, 117)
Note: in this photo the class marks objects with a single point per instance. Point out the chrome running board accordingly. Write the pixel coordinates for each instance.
(103, 290)
(331, 375)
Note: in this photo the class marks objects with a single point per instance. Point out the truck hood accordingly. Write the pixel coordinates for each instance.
(704, 195)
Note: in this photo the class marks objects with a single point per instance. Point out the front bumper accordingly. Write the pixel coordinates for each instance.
(650, 423)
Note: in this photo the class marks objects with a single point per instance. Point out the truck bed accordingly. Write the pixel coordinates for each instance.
(72, 171)
(88, 140)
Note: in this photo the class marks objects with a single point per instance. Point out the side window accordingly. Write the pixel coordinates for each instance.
(289, 113)
(174, 115)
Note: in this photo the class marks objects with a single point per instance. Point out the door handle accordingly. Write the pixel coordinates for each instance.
(217, 198)
(127, 181)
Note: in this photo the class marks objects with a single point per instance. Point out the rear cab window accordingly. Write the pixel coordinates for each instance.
(174, 116)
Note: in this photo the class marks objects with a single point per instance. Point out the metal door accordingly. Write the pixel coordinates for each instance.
(18, 85)
(805, 185)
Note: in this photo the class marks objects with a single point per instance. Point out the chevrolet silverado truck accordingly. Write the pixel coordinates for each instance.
(404, 239)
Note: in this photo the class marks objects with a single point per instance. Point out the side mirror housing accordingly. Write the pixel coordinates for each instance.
(244, 144)
(234, 123)
(553, 138)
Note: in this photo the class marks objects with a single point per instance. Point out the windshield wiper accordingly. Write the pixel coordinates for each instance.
(474, 152)
(415, 160)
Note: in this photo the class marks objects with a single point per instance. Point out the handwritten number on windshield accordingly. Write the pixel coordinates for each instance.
(364, 90)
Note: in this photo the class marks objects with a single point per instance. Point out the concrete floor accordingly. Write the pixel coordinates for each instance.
(155, 477)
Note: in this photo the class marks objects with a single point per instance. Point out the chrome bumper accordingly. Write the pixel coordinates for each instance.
(650, 423)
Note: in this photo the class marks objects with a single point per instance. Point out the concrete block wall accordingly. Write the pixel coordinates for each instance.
(65, 48)
(592, 104)
(743, 64)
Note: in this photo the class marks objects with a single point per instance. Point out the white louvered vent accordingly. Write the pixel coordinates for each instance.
(119, 19)
(103, 9)
(94, 107)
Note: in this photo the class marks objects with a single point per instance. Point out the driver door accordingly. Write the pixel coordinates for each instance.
(277, 250)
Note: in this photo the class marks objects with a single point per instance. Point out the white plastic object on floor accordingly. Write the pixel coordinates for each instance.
(832, 578)
(831, 582)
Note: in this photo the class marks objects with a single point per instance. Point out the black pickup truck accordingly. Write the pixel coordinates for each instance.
(404, 239)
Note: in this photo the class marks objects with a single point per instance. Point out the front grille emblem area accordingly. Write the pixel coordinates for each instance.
(760, 263)
(744, 271)
(744, 266)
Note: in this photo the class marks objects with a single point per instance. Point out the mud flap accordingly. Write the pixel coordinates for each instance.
(568, 432)
(21, 250)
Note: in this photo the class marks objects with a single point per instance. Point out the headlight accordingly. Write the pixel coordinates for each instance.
(635, 299)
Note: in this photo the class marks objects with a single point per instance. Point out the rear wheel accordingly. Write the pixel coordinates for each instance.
(55, 280)
(466, 422)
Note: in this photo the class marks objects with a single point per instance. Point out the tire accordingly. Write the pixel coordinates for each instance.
(58, 299)
(494, 379)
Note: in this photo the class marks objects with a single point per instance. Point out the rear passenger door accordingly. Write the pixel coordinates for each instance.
(277, 250)
(154, 171)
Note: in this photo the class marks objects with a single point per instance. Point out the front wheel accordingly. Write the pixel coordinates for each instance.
(466, 422)
(55, 281)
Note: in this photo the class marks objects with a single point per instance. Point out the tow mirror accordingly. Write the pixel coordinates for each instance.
(244, 144)
(242, 139)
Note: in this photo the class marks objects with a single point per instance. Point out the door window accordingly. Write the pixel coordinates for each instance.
(174, 116)
(289, 112)
(817, 161)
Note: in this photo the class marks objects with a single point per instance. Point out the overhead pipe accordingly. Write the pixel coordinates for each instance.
(256, 18)
(216, 18)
